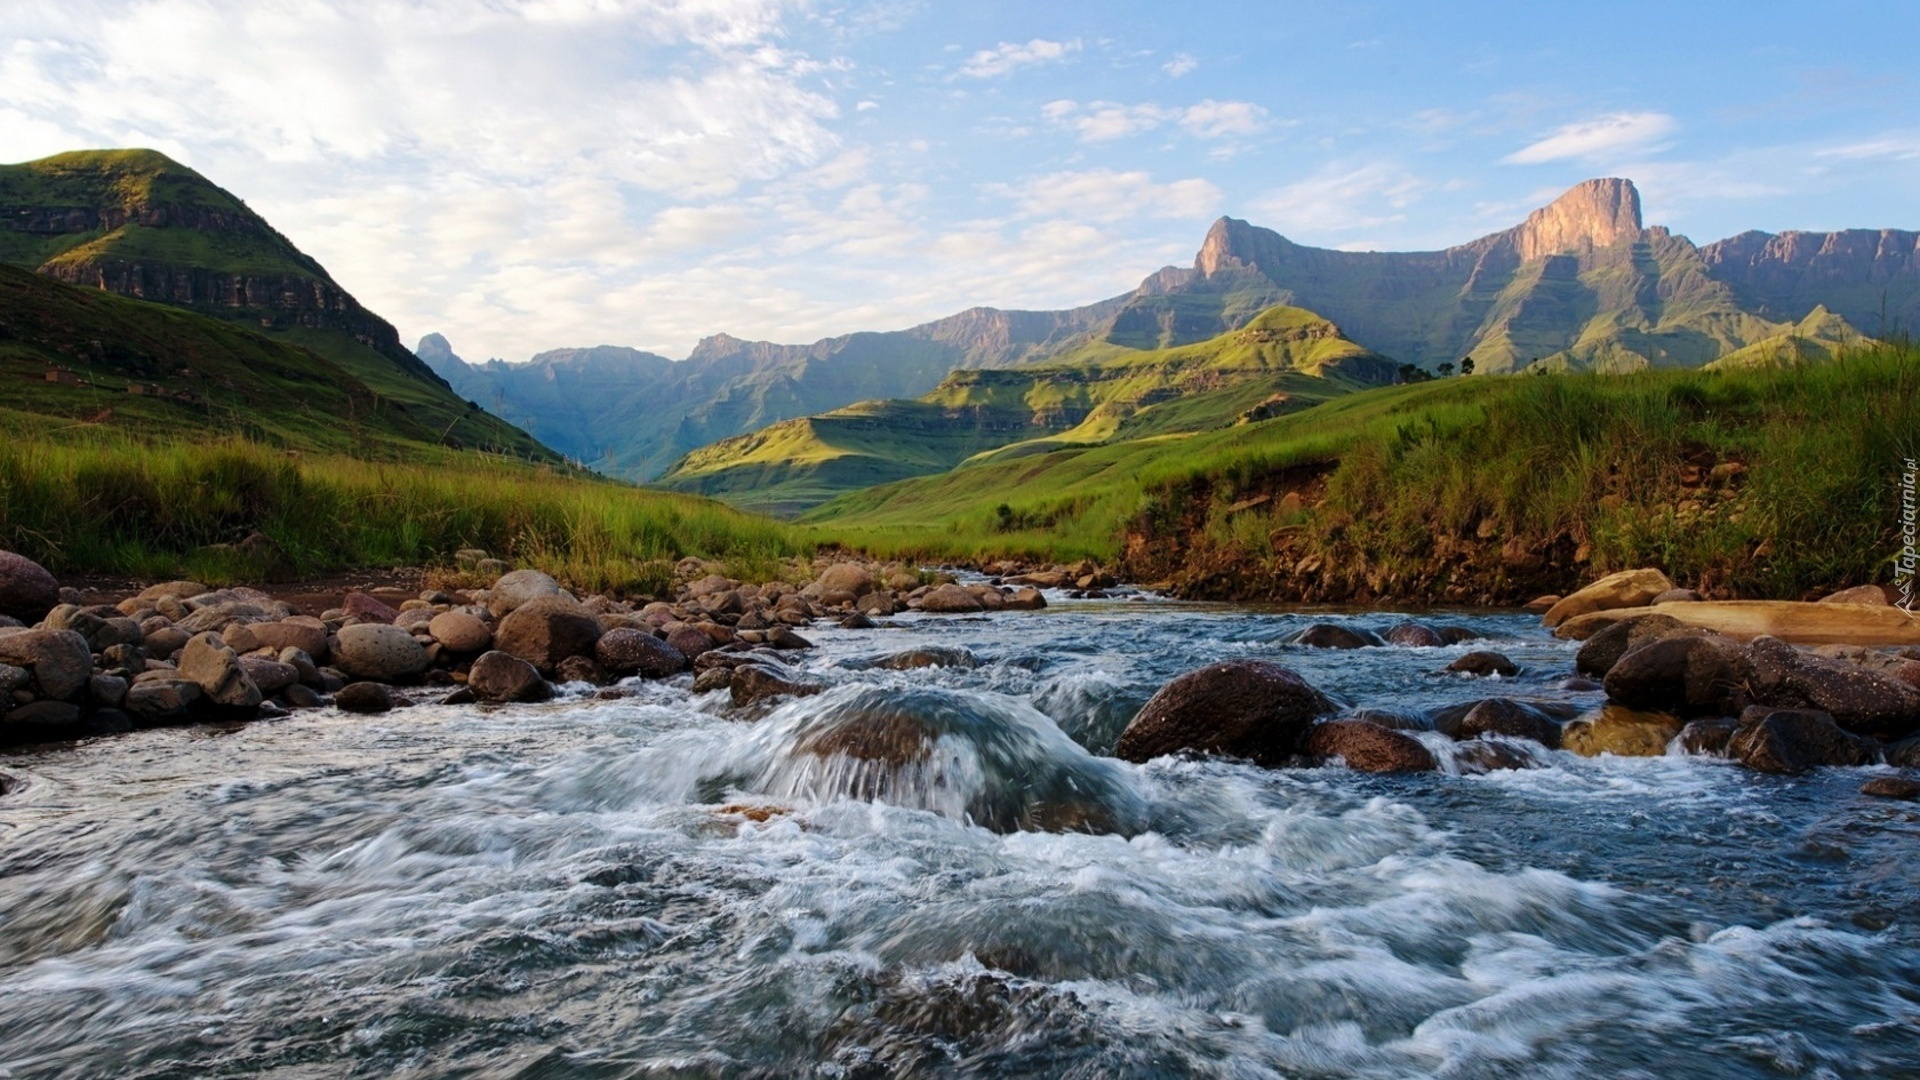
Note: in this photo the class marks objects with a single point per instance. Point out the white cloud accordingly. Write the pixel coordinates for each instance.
(1107, 195)
(1220, 119)
(1181, 64)
(1897, 147)
(1007, 56)
(1104, 121)
(1599, 139)
(1340, 199)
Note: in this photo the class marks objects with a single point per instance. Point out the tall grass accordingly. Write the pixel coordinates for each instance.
(116, 505)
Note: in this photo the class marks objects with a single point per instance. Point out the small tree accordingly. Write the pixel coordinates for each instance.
(1466, 365)
(1446, 369)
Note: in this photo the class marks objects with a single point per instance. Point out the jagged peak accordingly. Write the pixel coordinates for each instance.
(1595, 213)
(1231, 242)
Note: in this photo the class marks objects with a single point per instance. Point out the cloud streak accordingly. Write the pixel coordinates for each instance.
(1007, 57)
(1598, 139)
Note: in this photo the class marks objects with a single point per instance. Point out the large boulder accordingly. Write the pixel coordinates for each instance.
(1621, 732)
(1859, 699)
(626, 651)
(209, 664)
(302, 632)
(1626, 589)
(1367, 747)
(364, 697)
(846, 577)
(460, 631)
(1603, 650)
(951, 599)
(1334, 636)
(1687, 676)
(1505, 716)
(162, 700)
(546, 630)
(379, 652)
(27, 590)
(1414, 635)
(59, 659)
(517, 588)
(1241, 708)
(689, 641)
(501, 677)
(758, 682)
(270, 675)
(1791, 621)
(365, 608)
(1792, 741)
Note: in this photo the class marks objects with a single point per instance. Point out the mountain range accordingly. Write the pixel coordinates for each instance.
(1582, 284)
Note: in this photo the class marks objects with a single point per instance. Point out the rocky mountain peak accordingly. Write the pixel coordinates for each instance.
(1594, 214)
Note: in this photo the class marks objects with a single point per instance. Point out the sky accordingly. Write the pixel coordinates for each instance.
(523, 175)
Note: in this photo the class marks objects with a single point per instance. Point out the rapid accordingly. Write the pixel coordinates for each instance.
(940, 872)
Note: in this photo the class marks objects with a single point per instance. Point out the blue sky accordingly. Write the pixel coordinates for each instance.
(529, 175)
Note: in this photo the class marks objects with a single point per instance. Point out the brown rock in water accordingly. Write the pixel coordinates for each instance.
(1708, 736)
(160, 701)
(460, 631)
(271, 676)
(59, 659)
(1621, 732)
(951, 599)
(1891, 787)
(378, 651)
(931, 656)
(1026, 598)
(1540, 605)
(1331, 636)
(1688, 676)
(215, 668)
(850, 578)
(1483, 663)
(714, 678)
(27, 590)
(363, 697)
(1367, 747)
(1414, 635)
(1241, 708)
(1489, 755)
(1790, 741)
(581, 669)
(1516, 719)
(1860, 700)
(546, 630)
(1626, 589)
(1604, 649)
(752, 682)
(517, 588)
(502, 677)
(688, 641)
(626, 651)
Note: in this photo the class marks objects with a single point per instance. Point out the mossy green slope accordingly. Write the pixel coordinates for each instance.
(1285, 359)
(136, 223)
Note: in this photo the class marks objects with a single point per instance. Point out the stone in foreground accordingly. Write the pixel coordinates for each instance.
(1241, 708)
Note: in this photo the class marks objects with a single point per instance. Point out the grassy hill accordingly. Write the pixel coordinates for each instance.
(137, 224)
(1286, 359)
(1750, 481)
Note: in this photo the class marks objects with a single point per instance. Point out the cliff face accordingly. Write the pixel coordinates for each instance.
(1870, 277)
(1595, 214)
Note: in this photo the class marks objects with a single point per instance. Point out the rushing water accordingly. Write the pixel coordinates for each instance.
(646, 887)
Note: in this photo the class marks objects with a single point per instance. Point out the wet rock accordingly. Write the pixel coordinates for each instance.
(546, 630)
(1332, 636)
(752, 682)
(1454, 635)
(27, 590)
(1579, 685)
(367, 609)
(41, 720)
(1687, 676)
(1241, 708)
(857, 621)
(107, 691)
(59, 659)
(1860, 700)
(1490, 755)
(271, 676)
(1483, 663)
(160, 701)
(1414, 635)
(1621, 732)
(1367, 747)
(380, 652)
(931, 656)
(1626, 589)
(309, 635)
(301, 697)
(784, 639)
(714, 678)
(462, 695)
(106, 722)
(1891, 787)
(1391, 719)
(1026, 598)
(847, 577)
(625, 651)
(1708, 736)
(950, 599)
(516, 589)
(1604, 649)
(1905, 753)
(1505, 716)
(1791, 741)
(501, 677)
(364, 697)
(689, 641)
(581, 669)
(460, 632)
(209, 664)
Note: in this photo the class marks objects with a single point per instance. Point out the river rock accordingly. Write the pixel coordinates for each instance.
(1505, 716)
(107, 691)
(359, 605)
(1791, 621)
(210, 665)
(1891, 787)
(1414, 635)
(846, 577)
(1454, 635)
(784, 639)
(160, 701)
(950, 599)
(717, 678)
(1862, 701)
(546, 630)
(301, 697)
(1367, 747)
(378, 651)
(1675, 596)
(626, 651)
(27, 590)
(754, 682)
(1859, 594)
(217, 617)
(59, 659)
(177, 590)
(307, 634)
(1626, 589)
(689, 641)
(1026, 598)
(517, 588)
(364, 697)
(930, 656)
(1482, 663)
(1709, 735)
(41, 720)
(1790, 741)
(460, 631)
(1688, 676)
(271, 676)
(1480, 756)
(1603, 650)
(501, 677)
(1332, 636)
(1621, 732)
(1540, 605)
(581, 669)
(1241, 708)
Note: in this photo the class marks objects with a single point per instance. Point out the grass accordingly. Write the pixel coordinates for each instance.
(90, 502)
(1425, 491)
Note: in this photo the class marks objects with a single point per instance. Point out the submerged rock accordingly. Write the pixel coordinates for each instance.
(1621, 732)
(1892, 787)
(1414, 635)
(1334, 636)
(1483, 663)
(1367, 747)
(754, 682)
(1241, 708)
(1792, 741)
(364, 697)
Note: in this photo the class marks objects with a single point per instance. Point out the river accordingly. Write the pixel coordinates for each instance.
(645, 887)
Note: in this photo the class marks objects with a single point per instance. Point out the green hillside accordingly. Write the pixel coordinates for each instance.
(137, 224)
(1285, 359)
(1738, 481)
